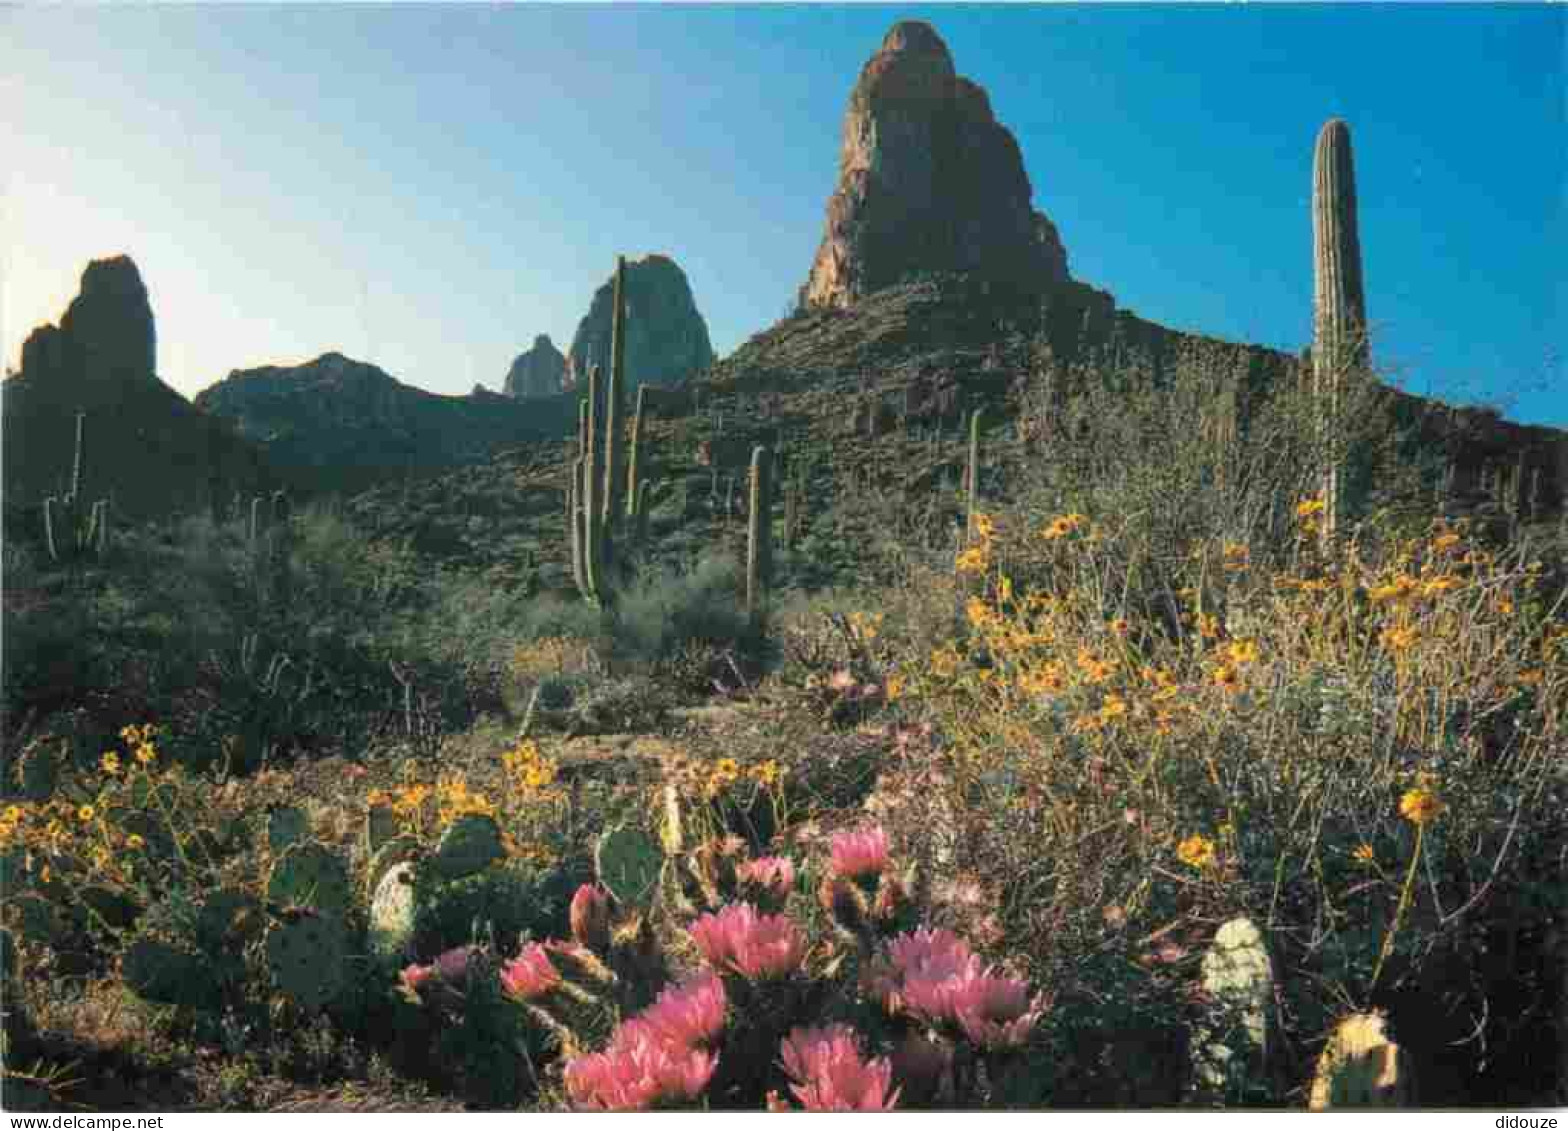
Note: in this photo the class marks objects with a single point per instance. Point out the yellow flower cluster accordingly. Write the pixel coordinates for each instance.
(865, 626)
(454, 799)
(527, 770)
(140, 740)
(1196, 851)
(1420, 805)
(1063, 525)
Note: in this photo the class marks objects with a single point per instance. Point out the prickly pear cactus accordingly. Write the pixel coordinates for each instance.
(470, 844)
(14, 1029)
(286, 827)
(40, 921)
(500, 903)
(671, 833)
(310, 875)
(112, 908)
(1239, 978)
(381, 826)
(396, 851)
(308, 957)
(157, 842)
(14, 876)
(392, 912)
(229, 919)
(1361, 1068)
(158, 972)
(628, 863)
(37, 771)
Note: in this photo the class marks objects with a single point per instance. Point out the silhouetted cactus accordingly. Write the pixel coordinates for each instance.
(73, 527)
(1339, 301)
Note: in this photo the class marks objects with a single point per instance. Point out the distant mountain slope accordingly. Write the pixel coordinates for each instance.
(339, 424)
(149, 451)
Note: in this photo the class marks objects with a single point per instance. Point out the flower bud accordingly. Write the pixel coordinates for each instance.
(590, 918)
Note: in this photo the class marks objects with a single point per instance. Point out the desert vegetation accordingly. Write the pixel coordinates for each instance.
(300, 817)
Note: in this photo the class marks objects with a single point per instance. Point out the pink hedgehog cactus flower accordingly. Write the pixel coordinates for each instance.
(530, 975)
(637, 1071)
(690, 1014)
(997, 1013)
(929, 972)
(860, 852)
(828, 1074)
(775, 875)
(413, 978)
(758, 947)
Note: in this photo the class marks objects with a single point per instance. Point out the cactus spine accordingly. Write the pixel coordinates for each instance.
(759, 540)
(73, 527)
(972, 477)
(1339, 301)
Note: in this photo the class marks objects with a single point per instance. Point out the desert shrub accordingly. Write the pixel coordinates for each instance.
(1348, 746)
(668, 611)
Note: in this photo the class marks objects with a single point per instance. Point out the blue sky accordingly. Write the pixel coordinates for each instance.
(429, 186)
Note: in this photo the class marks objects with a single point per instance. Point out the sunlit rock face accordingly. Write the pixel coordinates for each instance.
(666, 335)
(537, 372)
(929, 181)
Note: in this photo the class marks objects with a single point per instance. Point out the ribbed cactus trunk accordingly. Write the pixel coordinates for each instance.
(634, 464)
(613, 502)
(79, 460)
(593, 521)
(1339, 304)
(759, 539)
(282, 542)
(972, 477)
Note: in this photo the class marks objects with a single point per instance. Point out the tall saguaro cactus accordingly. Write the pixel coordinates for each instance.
(759, 534)
(634, 465)
(596, 497)
(1339, 328)
(613, 500)
(73, 527)
(972, 477)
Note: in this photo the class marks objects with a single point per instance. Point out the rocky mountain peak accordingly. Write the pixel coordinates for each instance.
(537, 372)
(106, 336)
(929, 181)
(666, 335)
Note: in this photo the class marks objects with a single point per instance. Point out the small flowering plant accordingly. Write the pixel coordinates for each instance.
(764, 1019)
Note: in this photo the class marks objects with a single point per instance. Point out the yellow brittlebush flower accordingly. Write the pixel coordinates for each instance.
(1418, 806)
(1197, 851)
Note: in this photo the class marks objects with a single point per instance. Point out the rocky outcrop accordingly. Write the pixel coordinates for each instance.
(339, 424)
(929, 181)
(106, 336)
(666, 336)
(538, 372)
(150, 451)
